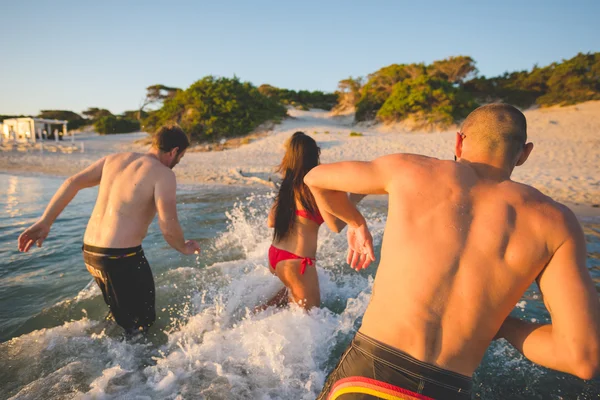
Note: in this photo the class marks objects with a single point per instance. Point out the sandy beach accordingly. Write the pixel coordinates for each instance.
(564, 163)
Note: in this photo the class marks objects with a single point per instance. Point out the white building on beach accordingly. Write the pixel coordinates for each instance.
(32, 129)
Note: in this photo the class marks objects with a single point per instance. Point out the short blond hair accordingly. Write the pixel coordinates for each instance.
(497, 127)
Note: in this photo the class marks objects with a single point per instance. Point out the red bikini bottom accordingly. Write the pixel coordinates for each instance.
(276, 255)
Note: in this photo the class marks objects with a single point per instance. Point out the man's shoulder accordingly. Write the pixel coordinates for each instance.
(407, 169)
(535, 197)
(122, 157)
(162, 173)
(408, 161)
(152, 168)
(554, 215)
(125, 154)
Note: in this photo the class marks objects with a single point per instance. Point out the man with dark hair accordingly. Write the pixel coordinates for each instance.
(462, 243)
(169, 137)
(133, 189)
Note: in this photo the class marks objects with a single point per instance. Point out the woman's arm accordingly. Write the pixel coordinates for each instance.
(271, 217)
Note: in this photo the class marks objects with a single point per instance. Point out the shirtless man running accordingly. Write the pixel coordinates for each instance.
(462, 244)
(133, 188)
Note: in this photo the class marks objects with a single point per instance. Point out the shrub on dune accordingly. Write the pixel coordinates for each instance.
(111, 124)
(214, 108)
(426, 99)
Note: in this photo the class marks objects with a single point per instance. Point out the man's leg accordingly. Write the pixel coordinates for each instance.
(100, 279)
(134, 294)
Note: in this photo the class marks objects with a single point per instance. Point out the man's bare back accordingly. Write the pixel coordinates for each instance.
(125, 205)
(458, 252)
(461, 245)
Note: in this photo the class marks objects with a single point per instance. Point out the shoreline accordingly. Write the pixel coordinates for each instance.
(584, 212)
(563, 165)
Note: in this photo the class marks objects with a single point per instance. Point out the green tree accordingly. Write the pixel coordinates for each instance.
(155, 95)
(110, 124)
(567, 82)
(303, 99)
(269, 90)
(216, 107)
(349, 92)
(453, 69)
(426, 99)
(573, 81)
(134, 114)
(378, 88)
(74, 120)
(95, 113)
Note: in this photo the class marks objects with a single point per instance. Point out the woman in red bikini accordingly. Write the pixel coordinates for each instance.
(296, 220)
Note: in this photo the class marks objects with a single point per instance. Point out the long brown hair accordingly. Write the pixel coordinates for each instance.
(301, 156)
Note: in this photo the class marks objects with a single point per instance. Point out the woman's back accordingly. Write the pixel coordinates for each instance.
(301, 239)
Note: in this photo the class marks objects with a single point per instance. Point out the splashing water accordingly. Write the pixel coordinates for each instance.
(213, 347)
(208, 345)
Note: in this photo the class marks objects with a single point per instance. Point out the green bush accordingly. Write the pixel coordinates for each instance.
(215, 108)
(568, 82)
(302, 99)
(573, 81)
(355, 134)
(442, 93)
(75, 120)
(379, 86)
(110, 125)
(427, 99)
(453, 69)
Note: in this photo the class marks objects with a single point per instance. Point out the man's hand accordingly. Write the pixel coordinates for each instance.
(191, 247)
(360, 247)
(36, 233)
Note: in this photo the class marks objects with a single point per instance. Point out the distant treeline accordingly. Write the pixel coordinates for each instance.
(438, 94)
(302, 99)
(444, 92)
(104, 121)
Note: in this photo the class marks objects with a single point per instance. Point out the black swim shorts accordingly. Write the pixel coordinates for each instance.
(126, 281)
(370, 369)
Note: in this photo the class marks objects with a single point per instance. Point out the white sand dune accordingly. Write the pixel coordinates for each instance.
(565, 162)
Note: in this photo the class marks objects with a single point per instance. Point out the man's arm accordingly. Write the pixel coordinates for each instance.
(335, 224)
(38, 232)
(329, 183)
(572, 342)
(165, 199)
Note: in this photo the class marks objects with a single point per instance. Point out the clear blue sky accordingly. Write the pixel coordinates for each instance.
(78, 54)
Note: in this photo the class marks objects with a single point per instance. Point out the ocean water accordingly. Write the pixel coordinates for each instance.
(56, 344)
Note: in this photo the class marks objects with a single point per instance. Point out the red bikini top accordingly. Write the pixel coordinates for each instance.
(305, 214)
